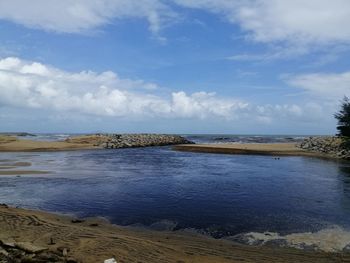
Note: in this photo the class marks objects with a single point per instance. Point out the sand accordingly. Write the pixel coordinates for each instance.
(13, 167)
(95, 240)
(275, 149)
(13, 144)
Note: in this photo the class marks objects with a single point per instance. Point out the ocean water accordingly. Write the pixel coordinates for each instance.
(221, 195)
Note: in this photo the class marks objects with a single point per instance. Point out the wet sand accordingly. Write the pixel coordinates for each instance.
(95, 240)
(13, 167)
(274, 149)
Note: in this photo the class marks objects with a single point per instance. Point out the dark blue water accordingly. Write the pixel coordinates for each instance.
(220, 194)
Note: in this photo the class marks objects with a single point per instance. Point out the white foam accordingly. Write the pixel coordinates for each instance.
(333, 239)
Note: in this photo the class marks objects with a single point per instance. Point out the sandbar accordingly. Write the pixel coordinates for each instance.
(274, 149)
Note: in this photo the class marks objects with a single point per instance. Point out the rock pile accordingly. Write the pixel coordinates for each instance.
(114, 141)
(328, 145)
(28, 252)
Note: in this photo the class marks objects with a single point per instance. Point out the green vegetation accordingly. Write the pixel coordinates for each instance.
(343, 117)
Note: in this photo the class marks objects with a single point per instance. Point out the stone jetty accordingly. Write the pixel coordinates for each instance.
(331, 146)
(116, 141)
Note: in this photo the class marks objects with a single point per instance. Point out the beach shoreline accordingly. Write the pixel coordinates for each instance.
(95, 239)
(271, 149)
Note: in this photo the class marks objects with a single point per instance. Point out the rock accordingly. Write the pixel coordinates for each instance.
(29, 247)
(116, 141)
(110, 260)
(328, 145)
(3, 252)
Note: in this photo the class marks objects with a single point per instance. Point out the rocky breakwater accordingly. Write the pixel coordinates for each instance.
(115, 141)
(331, 146)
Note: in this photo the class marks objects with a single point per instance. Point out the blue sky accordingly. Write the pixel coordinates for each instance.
(181, 66)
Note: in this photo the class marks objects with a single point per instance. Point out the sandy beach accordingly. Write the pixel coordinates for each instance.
(274, 149)
(95, 240)
(13, 144)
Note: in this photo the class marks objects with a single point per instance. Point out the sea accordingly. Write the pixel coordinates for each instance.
(215, 194)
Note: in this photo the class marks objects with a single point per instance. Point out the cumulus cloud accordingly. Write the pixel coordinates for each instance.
(35, 85)
(325, 85)
(75, 16)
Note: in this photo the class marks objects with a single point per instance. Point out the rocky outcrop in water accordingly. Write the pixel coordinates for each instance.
(329, 145)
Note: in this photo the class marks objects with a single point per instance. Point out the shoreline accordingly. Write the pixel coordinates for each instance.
(95, 239)
(270, 149)
(10, 143)
(13, 144)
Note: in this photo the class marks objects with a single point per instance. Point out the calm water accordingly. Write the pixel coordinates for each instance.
(220, 194)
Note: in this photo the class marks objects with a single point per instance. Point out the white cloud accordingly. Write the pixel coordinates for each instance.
(32, 85)
(326, 85)
(291, 21)
(35, 85)
(75, 16)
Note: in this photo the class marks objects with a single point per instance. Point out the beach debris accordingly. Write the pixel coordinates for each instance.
(63, 250)
(77, 221)
(110, 260)
(51, 241)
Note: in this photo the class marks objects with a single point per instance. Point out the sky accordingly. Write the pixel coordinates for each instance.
(173, 66)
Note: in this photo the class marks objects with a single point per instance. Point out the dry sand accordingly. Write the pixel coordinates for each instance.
(12, 144)
(276, 149)
(95, 240)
